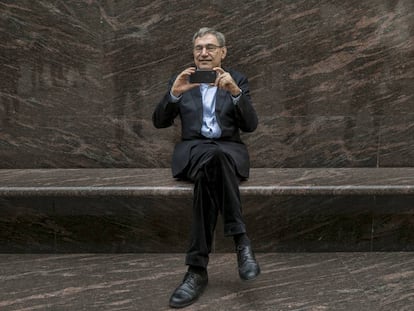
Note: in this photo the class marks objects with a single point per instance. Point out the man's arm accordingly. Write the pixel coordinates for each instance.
(245, 113)
(166, 111)
(168, 108)
(238, 86)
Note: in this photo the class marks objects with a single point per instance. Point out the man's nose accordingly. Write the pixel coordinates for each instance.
(204, 51)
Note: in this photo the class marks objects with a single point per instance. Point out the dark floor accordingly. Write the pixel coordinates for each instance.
(289, 281)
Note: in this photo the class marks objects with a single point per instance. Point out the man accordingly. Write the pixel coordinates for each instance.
(212, 155)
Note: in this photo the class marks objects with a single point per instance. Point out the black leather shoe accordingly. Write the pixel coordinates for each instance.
(190, 289)
(248, 266)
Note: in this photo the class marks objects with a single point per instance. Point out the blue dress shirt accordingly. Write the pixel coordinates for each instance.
(210, 127)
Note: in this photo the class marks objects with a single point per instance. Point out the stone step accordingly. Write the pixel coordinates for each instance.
(145, 210)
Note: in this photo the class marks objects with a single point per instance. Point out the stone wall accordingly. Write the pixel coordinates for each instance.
(332, 81)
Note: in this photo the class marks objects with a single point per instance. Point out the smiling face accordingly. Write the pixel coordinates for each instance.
(207, 52)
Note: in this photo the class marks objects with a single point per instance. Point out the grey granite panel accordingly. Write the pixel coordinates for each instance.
(327, 223)
(393, 223)
(107, 225)
(79, 79)
(315, 141)
(149, 224)
(397, 140)
(306, 224)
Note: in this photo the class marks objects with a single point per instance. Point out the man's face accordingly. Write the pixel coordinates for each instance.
(207, 52)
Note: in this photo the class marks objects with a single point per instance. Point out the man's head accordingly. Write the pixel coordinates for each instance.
(209, 48)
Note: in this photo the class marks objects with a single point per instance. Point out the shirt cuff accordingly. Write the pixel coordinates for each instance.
(175, 99)
(236, 99)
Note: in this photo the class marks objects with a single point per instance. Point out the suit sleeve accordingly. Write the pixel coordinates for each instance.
(245, 113)
(166, 110)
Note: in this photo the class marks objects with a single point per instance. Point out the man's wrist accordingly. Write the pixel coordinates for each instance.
(175, 98)
(236, 93)
(236, 98)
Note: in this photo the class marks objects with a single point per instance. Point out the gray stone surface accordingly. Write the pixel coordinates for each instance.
(300, 281)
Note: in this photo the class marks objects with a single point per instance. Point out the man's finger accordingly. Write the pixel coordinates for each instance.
(219, 70)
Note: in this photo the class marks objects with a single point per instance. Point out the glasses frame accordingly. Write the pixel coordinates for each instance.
(210, 48)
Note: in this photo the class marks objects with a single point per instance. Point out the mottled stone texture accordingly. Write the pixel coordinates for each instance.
(131, 282)
(275, 224)
(332, 81)
(108, 225)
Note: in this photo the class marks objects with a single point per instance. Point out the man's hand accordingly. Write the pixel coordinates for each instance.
(181, 84)
(225, 81)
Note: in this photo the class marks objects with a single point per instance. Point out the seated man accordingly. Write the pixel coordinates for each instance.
(212, 155)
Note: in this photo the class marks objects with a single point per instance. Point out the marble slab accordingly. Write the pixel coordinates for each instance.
(332, 81)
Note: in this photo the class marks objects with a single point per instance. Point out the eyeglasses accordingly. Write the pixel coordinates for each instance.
(209, 47)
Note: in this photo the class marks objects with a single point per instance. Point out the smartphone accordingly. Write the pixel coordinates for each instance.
(203, 76)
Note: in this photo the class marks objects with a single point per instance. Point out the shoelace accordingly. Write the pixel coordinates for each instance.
(191, 280)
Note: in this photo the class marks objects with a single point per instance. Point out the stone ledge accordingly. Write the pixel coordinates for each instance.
(151, 182)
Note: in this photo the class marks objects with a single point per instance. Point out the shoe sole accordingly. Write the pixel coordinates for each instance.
(189, 303)
(250, 279)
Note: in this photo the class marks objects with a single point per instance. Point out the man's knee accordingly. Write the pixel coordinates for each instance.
(218, 155)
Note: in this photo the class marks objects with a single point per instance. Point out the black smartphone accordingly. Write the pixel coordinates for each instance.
(203, 76)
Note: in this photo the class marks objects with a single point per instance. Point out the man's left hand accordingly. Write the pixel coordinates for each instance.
(225, 81)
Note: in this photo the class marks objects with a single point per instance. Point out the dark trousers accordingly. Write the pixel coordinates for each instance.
(216, 190)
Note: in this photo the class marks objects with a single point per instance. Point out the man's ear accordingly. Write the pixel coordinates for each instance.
(223, 53)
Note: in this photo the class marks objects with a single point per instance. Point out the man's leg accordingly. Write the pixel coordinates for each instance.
(224, 185)
(204, 221)
(216, 189)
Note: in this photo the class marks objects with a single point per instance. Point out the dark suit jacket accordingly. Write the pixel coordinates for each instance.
(231, 118)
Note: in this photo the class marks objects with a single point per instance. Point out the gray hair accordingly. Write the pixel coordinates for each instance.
(206, 30)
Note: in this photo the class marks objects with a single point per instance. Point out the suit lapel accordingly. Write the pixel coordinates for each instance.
(220, 100)
(197, 99)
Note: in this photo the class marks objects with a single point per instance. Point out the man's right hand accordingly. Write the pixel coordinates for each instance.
(181, 83)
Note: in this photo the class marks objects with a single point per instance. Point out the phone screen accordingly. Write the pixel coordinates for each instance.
(203, 76)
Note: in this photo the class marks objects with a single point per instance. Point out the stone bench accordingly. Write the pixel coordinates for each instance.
(158, 182)
(146, 210)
